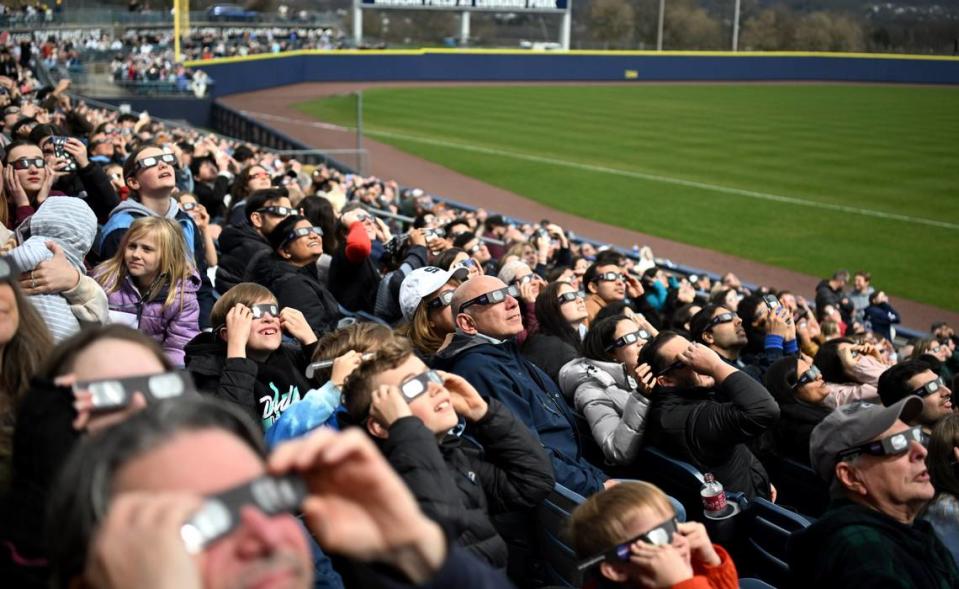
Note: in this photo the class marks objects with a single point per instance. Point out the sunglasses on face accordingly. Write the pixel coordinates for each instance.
(187, 206)
(720, 319)
(155, 160)
(629, 338)
(661, 535)
(811, 375)
(934, 349)
(933, 386)
(894, 445)
(491, 298)
(609, 277)
(419, 384)
(24, 163)
(260, 176)
(525, 279)
(441, 301)
(467, 263)
(276, 211)
(302, 232)
(113, 394)
(475, 249)
(264, 309)
(569, 297)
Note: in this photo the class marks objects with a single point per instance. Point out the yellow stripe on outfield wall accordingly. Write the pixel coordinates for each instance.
(526, 52)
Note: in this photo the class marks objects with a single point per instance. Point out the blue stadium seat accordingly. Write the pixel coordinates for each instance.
(768, 527)
(754, 584)
(552, 516)
(676, 478)
(799, 487)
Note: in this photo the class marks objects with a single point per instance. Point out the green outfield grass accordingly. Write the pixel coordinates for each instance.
(807, 177)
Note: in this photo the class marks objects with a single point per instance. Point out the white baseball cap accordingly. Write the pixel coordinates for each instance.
(423, 282)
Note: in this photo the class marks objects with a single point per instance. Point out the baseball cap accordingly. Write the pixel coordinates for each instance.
(853, 425)
(422, 282)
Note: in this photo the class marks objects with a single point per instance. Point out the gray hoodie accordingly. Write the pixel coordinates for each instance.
(615, 410)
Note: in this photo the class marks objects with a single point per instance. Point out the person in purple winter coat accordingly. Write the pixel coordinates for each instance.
(151, 284)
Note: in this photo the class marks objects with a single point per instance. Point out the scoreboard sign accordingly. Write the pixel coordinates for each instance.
(472, 5)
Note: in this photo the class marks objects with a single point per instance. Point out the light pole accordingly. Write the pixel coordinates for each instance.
(659, 31)
(736, 27)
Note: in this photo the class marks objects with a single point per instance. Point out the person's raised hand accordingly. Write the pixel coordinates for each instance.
(776, 323)
(645, 381)
(86, 420)
(13, 188)
(528, 291)
(464, 396)
(343, 367)
(294, 323)
(239, 321)
(702, 359)
(660, 566)
(417, 237)
(387, 405)
(700, 546)
(634, 288)
(78, 150)
(138, 544)
(357, 505)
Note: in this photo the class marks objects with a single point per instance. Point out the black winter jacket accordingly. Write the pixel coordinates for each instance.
(238, 245)
(299, 288)
(460, 486)
(263, 389)
(691, 425)
(549, 352)
(92, 185)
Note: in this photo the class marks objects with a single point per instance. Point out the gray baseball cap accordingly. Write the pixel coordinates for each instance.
(422, 282)
(853, 425)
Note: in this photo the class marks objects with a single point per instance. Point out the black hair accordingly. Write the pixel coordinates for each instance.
(747, 311)
(893, 385)
(320, 212)
(650, 352)
(494, 221)
(549, 313)
(699, 321)
(610, 310)
(607, 257)
(829, 362)
(15, 129)
(600, 336)
(278, 237)
(13, 145)
(258, 199)
(445, 259)
(41, 132)
(457, 221)
(463, 238)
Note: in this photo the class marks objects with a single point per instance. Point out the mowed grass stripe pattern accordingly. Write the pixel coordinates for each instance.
(887, 149)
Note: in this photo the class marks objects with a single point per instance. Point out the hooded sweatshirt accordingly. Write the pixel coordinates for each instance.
(498, 371)
(70, 223)
(296, 287)
(263, 389)
(855, 546)
(238, 245)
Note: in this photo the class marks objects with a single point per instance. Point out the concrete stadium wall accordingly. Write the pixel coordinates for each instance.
(235, 75)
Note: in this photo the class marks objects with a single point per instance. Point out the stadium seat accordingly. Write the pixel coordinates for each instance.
(552, 516)
(768, 527)
(800, 488)
(676, 478)
(751, 583)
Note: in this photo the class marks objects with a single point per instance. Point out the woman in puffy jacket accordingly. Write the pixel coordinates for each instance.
(609, 387)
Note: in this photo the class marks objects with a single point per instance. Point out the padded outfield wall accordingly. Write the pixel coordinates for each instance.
(257, 72)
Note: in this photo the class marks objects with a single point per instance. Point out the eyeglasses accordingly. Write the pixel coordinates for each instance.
(302, 232)
(475, 249)
(609, 277)
(24, 163)
(491, 298)
(569, 297)
(811, 375)
(661, 535)
(894, 445)
(674, 366)
(720, 319)
(441, 301)
(188, 206)
(265, 309)
(154, 160)
(933, 386)
(11, 110)
(629, 338)
(419, 384)
(277, 212)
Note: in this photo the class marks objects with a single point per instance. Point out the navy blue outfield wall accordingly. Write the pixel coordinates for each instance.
(178, 108)
(235, 75)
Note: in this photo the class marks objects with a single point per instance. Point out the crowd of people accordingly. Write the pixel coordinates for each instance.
(201, 340)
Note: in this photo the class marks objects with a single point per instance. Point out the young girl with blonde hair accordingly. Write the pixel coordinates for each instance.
(151, 284)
